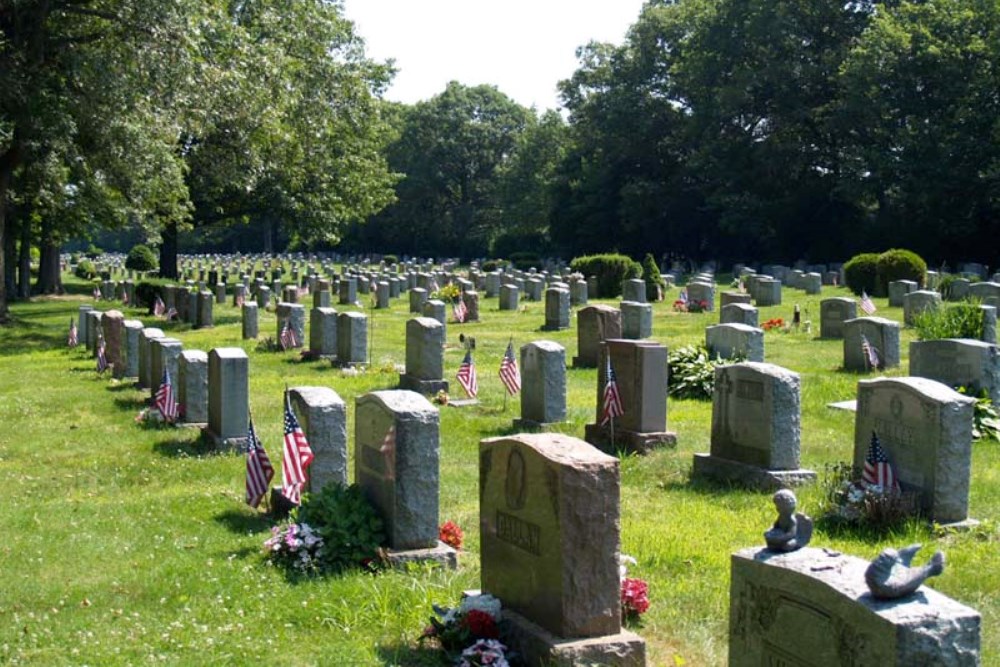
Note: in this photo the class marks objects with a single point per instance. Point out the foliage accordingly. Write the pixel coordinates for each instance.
(476, 617)
(492, 265)
(451, 534)
(147, 290)
(651, 274)
(986, 419)
(523, 247)
(85, 269)
(295, 546)
(861, 273)
(343, 518)
(390, 259)
(611, 270)
(93, 252)
(449, 292)
(898, 264)
(958, 320)
(140, 258)
(847, 501)
(692, 372)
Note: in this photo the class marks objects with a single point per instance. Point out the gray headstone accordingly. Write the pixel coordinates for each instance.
(595, 324)
(534, 288)
(727, 298)
(93, 329)
(228, 394)
(418, 296)
(812, 283)
(205, 319)
(731, 341)
(739, 313)
(348, 291)
(634, 290)
(220, 293)
(881, 333)
(471, 299)
(918, 302)
(989, 324)
(251, 323)
(113, 325)
(352, 338)
(958, 362)
(509, 297)
(543, 384)
(295, 315)
(833, 312)
(323, 332)
(436, 309)
(133, 332)
(146, 337)
(492, 285)
(767, 292)
(424, 356)
(637, 320)
(323, 417)
(321, 297)
(165, 354)
(192, 386)
(958, 290)
(898, 289)
(82, 325)
(556, 309)
(264, 297)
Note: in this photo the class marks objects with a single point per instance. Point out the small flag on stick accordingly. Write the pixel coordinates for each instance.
(459, 310)
(467, 375)
(510, 375)
(297, 455)
(102, 355)
(867, 305)
(72, 340)
(288, 339)
(877, 470)
(871, 354)
(164, 400)
(259, 468)
(612, 398)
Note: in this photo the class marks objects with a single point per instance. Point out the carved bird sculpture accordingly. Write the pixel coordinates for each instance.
(890, 576)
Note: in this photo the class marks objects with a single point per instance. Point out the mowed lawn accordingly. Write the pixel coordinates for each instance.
(126, 545)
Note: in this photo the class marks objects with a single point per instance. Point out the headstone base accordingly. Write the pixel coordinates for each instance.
(462, 402)
(442, 554)
(336, 363)
(425, 387)
(225, 444)
(529, 425)
(538, 647)
(958, 526)
(554, 327)
(201, 425)
(632, 442)
(754, 477)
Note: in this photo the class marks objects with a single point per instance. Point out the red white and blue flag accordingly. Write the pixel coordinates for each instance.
(459, 310)
(871, 354)
(612, 398)
(877, 470)
(867, 304)
(158, 308)
(102, 355)
(164, 400)
(510, 375)
(467, 375)
(288, 339)
(296, 457)
(259, 468)
(72, 340)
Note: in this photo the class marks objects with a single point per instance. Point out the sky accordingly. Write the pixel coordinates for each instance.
(524, 47)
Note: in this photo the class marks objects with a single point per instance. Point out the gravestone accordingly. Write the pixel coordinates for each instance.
(958, 362)
(352, 338)
(987, 292)
(290, 294)
(989, 334)
(220, 293)
(93, 330)
(543, 384)
(133, 332)
(958, 290)
(170, 296)
(251, 323)
(239, 294)
(634, 290)
(471, 300)
(113, 325)
(898, 289)
(812, 607)
(424, 357)
(323, 332)
(767, 292)
(578, 293)
(397, 450)
(918, 302)
(595, 324)
(146, 337)
(205, 319)
(880, 333)
(534, 288)
(492, 285)
(833, 312)
(637, 320)
(82, 325)
(264, 297)
(436, 309)
(165, 353)
(418, 297)
(925, 429)
(228, 396)
(348, 291)
(640, 367)
(192, 386)
(735, 341)
(756, 430)
(508, 297)
(812, 283)
(739, 313)
(323, 417)
(321, 297)
(295, 315)
(549, 513)
(702, 292)
(556, 309)
(727, 298)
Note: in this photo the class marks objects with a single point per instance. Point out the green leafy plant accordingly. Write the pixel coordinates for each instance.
(611, 271)
(140, 258)
(147, 290)
(85, 269)
(692, 372)
(985, 418)
(93, 252)
(351, 530)
(898, 264)
(447, 293)
(654, 281)
(390, 259)
(960, 320)
(492, 265)
(861, 273)
(848, 502)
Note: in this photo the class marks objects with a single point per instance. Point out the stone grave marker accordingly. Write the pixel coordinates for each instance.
(250, 320)
(509, 297)
(348, 291)
(323, 417)
(898, 289)
(958, 362)
(699, 292)
(192, 386)
(881, 333)
(637, 320)
(82, 325)
(93, 330)
(205, 318)
(812, 283)
(543, 384)
(165, 354)
(556, 309)
(595, 324)
(146, 338)
(578, 293)
(228, 396)
(295, 315)
(471, 300)
(767, 292)
(323, 332)
(634, 290)
(424, 357)
(352, 338)
(730, 341)
(918, 302)
(833, 312)
(133, 331)
(726, 298)
(113, 325)
(739, 313)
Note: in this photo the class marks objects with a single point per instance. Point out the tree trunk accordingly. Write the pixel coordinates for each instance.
(49, 271)
(9, 261)
(24, 262)
(8, 161)
(168, 252)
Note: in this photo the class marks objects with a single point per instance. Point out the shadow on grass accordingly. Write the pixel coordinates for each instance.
(129, 404)
(122, 385)
(406, 655)
(707, 486)
(243, 523)
(23, 336)
(176, 447)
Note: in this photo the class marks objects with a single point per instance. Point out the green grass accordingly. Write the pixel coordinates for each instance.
(123, 545)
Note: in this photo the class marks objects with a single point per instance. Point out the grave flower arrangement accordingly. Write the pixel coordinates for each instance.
(476, 618)
(634, 593)
(295, 546)
(451, 534)
(850, 501)
(773, 323)
(484, 652)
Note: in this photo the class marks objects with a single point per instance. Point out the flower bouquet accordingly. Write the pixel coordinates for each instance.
(476, 618)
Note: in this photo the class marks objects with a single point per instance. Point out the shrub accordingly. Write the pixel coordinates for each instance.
(654, 281)
(146, 291)
(898, 264)
(351, 531)
(491, 265)
(390, 259)
(692, 372)
(85, 269)
(140, 258)
(861, 273)
(611, 271)
(960, 320)
(93, 252)
(524, 261)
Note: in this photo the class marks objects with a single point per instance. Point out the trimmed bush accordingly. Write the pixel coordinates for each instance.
(390, 259)
(146, 291)
(85, 269)
(898, 264)
(651, 274)
(491, 265)
(93, 252)
(960, 320)
(140, 258)
(611, 271)
(861, 273)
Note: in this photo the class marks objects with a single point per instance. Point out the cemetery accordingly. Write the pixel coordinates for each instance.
(543, 503)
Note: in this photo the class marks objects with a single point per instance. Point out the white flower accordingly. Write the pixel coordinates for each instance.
(484, 602)
(624, 560)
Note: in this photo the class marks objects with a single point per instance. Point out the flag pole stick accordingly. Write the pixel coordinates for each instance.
(612, 420)
(506, 393)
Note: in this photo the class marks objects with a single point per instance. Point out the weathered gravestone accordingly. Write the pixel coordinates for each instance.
(556, 309)
(534, 288)
(989, 334)
(418, 297)
(133, 332)
(220, 293)
(228, 396)
(702, 294)
(735, 341)
(987, 292)
(640, 368)
(958, 362)
(957, 290)
(509, 297)
(727, 298)
(543, 384)
(578, 293)
(192, 386)
(637, 320)
(424, 357)
(767, 292)
(739, 313)
(918, 302)
(348, 291)
(93, 329)
(396, 457)
(833, 312)
(756, 429)
(321, 297)
(812, 283)
(471, 300)
(323, 417)
(113, 326)
(438, 310)
(634, 290)
(264, 297)
(146, 338)
(595, 324)
(83, 323)
(165, 355)
(294, 316)
(898, 289)
(880, 334)
(205, 318)
(323, 332)
(549, 513)
(251, 323)
(811, 607)
(352, 338)
(925, 429)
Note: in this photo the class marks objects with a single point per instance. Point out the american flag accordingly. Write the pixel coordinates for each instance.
(164, 400)
(459, 310)
(72, 340)
(97, 293)
(612, 398)
(158, 308)
(467, 375)
(683, 296)
(296, 457)
(877, 469)
(288, 339)
(510, 375)
(171, 313)
(259, 468)
(867, 304)
(124, 298)
(871, 354)
(239, 299)
(102, 356)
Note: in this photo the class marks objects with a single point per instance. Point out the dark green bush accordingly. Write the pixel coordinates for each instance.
(524, 261)
(611, 271)
(898, 264)
(146, 291)
(692, 372)
(85, 269)
(351, 529)
(861, 273)
(140, 258)
(651, 274)
(390, 259)
(960, 320)
(93, 252)
(491, 265)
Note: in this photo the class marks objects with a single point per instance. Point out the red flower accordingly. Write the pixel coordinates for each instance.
(451, 535)
(480, 624)
(635, 596)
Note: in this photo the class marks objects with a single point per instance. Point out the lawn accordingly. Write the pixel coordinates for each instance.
(126, 545)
